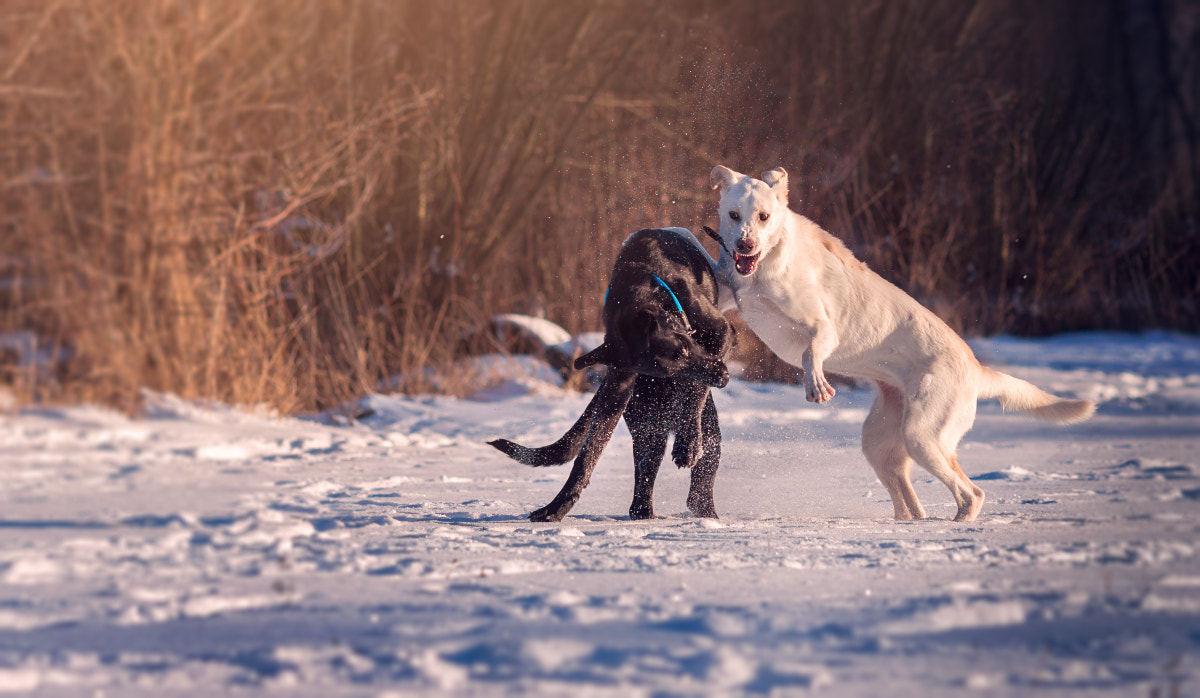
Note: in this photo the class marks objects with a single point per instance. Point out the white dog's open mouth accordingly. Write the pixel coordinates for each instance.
(746, 264)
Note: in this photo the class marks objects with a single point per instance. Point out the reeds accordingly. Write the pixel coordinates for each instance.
(289, 201)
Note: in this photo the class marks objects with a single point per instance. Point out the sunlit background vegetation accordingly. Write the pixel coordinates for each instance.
(288, 201)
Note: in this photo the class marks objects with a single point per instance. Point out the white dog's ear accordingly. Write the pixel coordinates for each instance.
(777, 179)
(723, 177)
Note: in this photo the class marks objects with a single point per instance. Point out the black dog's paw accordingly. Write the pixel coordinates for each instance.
(641, 513)
(554, 511)
(686, 452)
(546, 514)
(704, 507)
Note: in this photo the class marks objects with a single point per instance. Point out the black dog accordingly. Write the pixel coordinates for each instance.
(664, 344)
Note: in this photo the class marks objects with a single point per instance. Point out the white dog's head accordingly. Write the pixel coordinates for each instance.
(752, 213)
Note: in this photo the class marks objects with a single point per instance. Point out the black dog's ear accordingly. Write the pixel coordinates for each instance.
(600, 355)
(646, 319)
(647, 323)
(637, 326)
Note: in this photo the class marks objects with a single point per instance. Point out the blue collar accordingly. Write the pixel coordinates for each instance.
(678, 305)
(673, 299)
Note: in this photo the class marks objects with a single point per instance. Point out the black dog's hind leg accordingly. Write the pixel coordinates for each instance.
(644, 416)
(610, 399)
(700, 495)
(689, 405)
(648, 450)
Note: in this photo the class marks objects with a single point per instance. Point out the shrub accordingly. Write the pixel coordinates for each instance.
(288, 201)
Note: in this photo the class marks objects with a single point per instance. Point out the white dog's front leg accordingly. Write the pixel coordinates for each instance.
(817, 387)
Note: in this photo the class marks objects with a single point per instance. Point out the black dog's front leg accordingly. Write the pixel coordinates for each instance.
(690, 404)
(700, 495)
(611, 399)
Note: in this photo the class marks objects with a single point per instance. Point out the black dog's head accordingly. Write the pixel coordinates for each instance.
(656, 342)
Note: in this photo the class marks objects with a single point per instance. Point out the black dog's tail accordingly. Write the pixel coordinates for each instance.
(557, 453)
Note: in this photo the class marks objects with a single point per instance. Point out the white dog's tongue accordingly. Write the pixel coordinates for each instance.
(745, 265)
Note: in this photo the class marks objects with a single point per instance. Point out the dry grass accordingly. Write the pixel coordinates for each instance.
(289, 201)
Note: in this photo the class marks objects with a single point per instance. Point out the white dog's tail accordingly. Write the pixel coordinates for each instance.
(1021, 396)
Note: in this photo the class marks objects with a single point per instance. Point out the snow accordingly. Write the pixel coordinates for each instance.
(548, 333)
(208, 550)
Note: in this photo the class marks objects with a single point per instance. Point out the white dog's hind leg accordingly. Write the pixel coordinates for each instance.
(933, 426)
(883, 445)
(969, 513)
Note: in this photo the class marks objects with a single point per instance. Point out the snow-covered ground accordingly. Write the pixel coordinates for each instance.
(203, 550)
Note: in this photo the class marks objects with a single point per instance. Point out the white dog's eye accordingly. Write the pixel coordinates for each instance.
(763, 215)
(735, 216)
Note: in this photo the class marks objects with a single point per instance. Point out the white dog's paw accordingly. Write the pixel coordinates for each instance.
(824, 396)
(818, 390)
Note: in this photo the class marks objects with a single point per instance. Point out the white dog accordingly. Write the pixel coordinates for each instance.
(816, 306)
